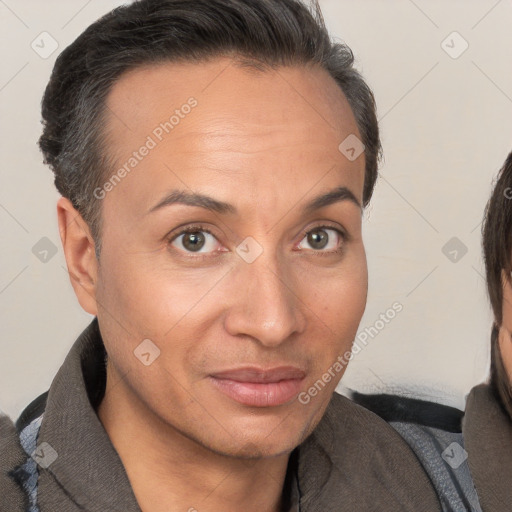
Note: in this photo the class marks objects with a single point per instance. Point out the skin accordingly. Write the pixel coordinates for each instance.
(505, 332)
(268, 148)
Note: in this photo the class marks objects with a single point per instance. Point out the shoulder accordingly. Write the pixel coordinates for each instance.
(345, 416)
(378, 429)
(358, 459)
(487, 432)
(434, 433)
(487, 427)
(482, 398)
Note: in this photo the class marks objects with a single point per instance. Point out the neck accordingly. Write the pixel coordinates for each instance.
(170, 471)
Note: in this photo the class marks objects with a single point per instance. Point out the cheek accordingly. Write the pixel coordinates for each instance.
(146, 296)
(345, 292)
(142, 300)
(505, 336)
(337, 306)
(505, 341)
(507, 308)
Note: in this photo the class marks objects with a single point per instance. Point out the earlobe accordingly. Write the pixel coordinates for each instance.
(78, 246)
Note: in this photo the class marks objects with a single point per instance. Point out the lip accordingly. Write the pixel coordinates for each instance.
(258, 387)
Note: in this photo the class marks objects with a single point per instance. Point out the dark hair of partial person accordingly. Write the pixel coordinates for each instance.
(262, 34)
(497, 247)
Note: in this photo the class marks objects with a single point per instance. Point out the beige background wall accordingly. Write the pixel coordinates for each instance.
(446, 122)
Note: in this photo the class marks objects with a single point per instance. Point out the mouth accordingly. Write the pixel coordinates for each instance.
(257, 387)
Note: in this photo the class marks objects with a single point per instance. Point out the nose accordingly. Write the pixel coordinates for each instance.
(265, 302)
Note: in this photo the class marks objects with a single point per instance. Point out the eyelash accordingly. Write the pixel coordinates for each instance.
(195, 228)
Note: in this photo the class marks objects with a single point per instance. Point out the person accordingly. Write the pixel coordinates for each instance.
(214, 158)
(487, 422)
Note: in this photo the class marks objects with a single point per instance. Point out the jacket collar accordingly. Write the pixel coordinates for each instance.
(487, 431)
(87, 466)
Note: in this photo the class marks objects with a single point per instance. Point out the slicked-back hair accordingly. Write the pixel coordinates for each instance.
(264, 34)
(497, 247)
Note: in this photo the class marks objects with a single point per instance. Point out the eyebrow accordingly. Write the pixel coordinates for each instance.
(335, 195)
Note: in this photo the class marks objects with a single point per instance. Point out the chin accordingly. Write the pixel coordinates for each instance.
(258, 449)
(241, 444)
(264, 444)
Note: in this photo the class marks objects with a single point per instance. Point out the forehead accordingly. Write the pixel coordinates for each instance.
(223, 80)
(267, 125)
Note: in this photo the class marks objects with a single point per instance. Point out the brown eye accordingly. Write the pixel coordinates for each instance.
(193, 241)
(324, 239)
(318, 239)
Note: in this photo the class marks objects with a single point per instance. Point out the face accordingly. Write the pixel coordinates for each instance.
(247, 295)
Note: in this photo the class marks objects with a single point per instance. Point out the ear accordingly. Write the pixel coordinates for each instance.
(78, 246)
